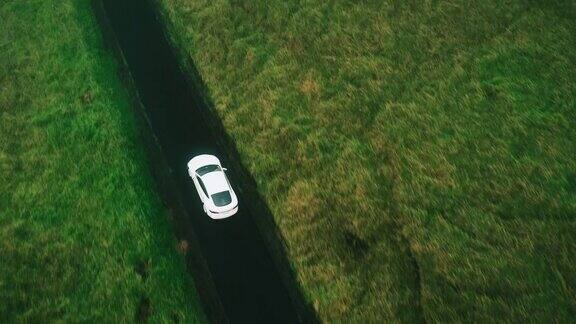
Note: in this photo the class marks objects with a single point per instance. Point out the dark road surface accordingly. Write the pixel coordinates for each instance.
(244, 274)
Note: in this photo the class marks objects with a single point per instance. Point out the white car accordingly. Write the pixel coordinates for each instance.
(213, 187)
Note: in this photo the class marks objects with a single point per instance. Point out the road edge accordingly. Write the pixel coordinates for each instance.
(256, 204)
(163, 180)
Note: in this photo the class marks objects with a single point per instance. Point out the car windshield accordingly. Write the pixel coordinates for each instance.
(207, 169)
(222, 198)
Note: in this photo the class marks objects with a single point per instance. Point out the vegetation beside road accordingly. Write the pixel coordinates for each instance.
(418, 156)
(83, 237)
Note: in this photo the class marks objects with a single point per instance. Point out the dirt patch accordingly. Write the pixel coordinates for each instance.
(87, 97)
(183, 247)
(144, 310)
(142, 268)
(357, 246)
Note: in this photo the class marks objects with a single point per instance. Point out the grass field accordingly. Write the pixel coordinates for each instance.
(83, 238)
(418, 156)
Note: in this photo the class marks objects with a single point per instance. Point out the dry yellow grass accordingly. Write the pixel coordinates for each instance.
(418, 156)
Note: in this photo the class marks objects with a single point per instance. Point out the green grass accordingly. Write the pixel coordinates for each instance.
(78, 217)
(418, 156)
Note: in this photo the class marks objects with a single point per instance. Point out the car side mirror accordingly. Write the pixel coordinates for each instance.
(224, 169)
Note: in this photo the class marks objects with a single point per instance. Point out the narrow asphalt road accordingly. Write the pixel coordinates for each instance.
(245, 276)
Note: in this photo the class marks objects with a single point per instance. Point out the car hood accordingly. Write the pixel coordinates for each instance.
(201, 160)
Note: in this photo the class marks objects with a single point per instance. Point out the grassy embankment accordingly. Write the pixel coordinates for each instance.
(418, 156)
(82, 235)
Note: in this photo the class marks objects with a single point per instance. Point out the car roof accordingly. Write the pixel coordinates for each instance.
(215, 182)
